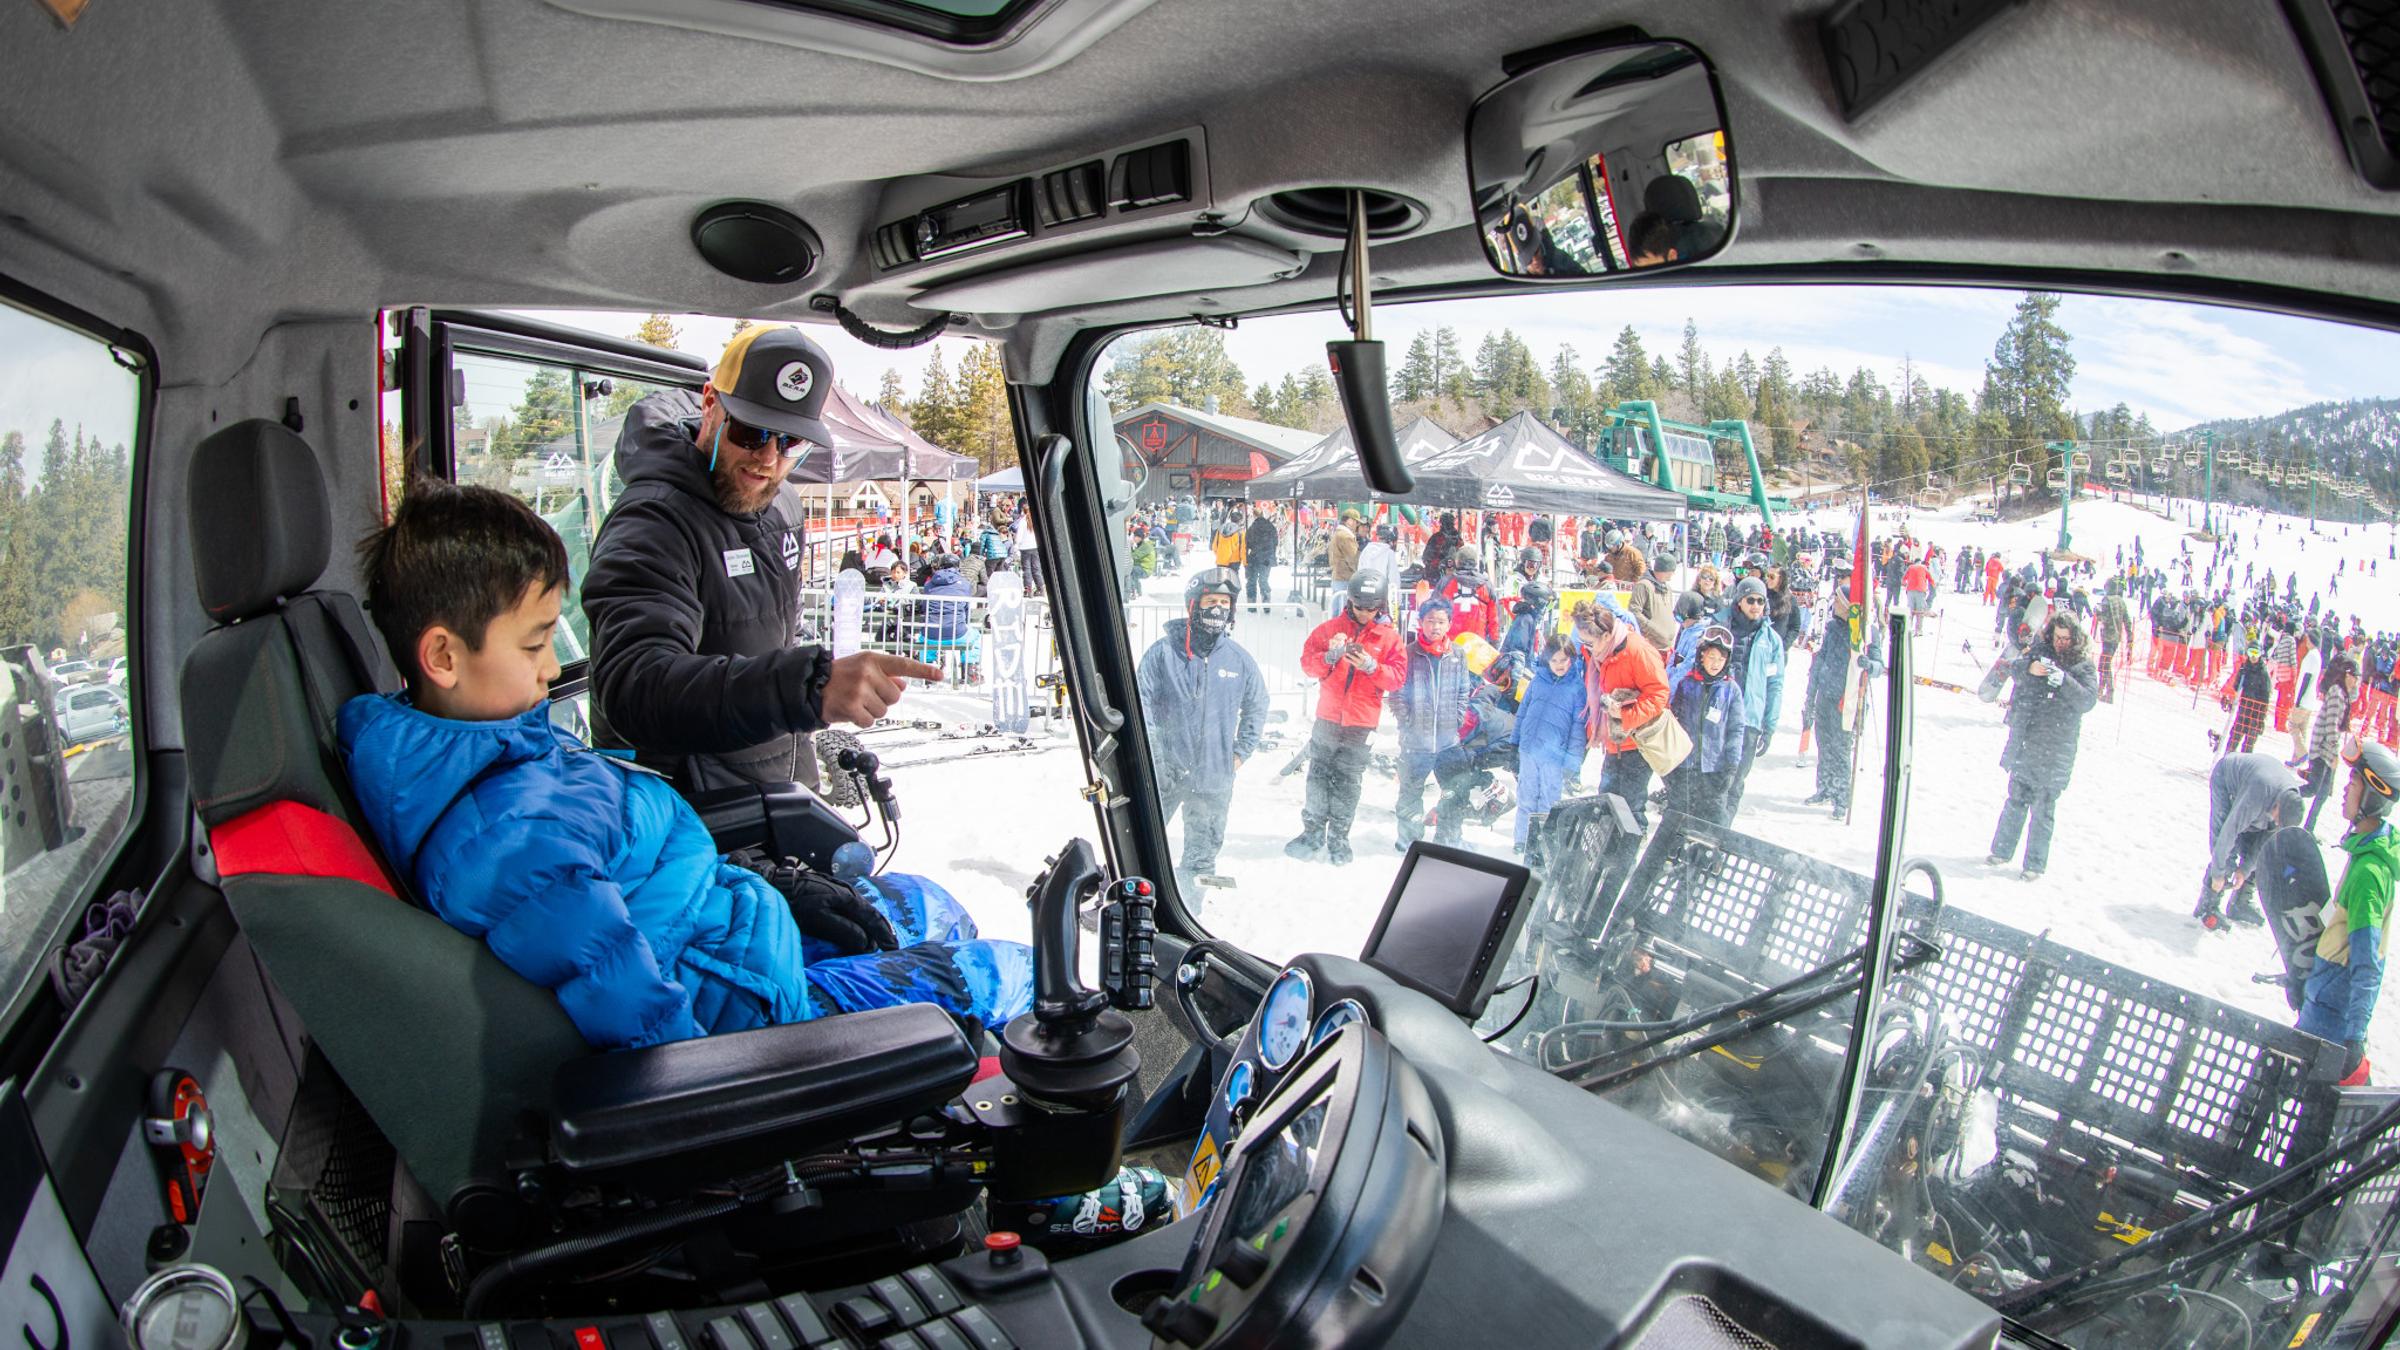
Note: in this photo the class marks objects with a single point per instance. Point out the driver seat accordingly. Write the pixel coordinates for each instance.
(475, 1075)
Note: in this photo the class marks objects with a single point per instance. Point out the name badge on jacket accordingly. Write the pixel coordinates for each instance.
(739, 562)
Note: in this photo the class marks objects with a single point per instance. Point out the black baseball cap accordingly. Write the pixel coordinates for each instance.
(777, 379)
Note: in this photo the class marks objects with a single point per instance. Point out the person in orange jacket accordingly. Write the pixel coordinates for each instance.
(1625, 687)
(1356, 659)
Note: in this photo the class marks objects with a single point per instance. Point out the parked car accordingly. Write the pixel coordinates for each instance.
(75, 672)
(90, 713)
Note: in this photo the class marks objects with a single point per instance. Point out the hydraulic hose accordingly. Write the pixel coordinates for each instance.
(649, 1227)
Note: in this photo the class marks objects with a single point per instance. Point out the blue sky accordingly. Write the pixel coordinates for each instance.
(2181, 363)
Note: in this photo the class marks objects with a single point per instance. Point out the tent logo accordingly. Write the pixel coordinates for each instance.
(559, 462)
(1154, 437)
(1498, 496)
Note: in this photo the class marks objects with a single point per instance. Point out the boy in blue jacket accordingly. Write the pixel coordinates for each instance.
(1709, 705)
(1550, 734)
(587, 874)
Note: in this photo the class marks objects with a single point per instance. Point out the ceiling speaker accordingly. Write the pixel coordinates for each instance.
(753, 241)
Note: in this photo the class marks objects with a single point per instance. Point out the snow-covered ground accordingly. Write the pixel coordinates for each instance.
(2124, 867)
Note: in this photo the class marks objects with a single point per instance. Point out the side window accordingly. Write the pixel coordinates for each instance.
(67, 765)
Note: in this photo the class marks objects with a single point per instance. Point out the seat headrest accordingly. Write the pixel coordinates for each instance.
(1672, 196)
(261, 523)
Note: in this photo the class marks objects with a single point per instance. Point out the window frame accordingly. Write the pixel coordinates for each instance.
(433, 339)
(134, 352)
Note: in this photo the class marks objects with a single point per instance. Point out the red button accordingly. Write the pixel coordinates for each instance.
(1001, 1248)
(589, 1338)
(1144, 888)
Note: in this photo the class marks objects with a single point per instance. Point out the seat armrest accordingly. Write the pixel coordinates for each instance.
(783, 820)
(722, 1105)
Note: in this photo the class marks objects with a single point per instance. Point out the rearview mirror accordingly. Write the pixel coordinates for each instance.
(1604, 161)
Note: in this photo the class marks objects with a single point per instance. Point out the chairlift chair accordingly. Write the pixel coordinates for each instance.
(2021, 474)
(2057, 478)
(2118, 472)
(2082, 460)
(2163, 462)
(2191, 457)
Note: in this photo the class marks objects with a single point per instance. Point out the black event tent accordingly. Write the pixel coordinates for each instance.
(1328, 471)
(1523, 465)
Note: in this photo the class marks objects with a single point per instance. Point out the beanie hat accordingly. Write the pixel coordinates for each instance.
(1749, 588)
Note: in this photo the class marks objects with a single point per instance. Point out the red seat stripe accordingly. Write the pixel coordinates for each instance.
(287, 839)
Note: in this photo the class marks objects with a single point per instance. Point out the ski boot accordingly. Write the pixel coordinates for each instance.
(2209, 912)
(1817, 798)
(2245, 911)
(1337, 850)
(1309, 847)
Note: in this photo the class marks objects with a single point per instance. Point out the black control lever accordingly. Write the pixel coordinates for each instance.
(1128, 936)
(869, 771)
(1059, 998)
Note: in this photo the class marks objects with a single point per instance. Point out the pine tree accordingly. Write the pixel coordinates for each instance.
(546, 413)
(1691, 363)
(2027, 379)
(1625, 375)
(986, 430)
(1415, 380)
(935, 414)
(659, 331)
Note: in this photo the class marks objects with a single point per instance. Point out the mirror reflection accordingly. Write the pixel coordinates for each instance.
(1602, 162)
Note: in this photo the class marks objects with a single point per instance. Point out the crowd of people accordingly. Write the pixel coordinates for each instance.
(1653, 663)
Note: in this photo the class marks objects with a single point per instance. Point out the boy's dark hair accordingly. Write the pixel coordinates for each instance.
(1650, 236)
(455, 556)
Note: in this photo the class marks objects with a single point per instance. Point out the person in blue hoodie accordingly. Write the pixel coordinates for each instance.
(1709, 705)
(1550, 735)
(583, 872)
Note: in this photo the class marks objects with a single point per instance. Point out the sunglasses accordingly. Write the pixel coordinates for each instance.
(750, 440)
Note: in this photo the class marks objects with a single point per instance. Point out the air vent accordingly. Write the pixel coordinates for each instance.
(1326, 211)
(2354, 46)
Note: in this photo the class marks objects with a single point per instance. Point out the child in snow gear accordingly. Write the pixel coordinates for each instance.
(1355, 658)
(2357, 940)
(582, 873)
(1708, 704)
(1204, 704)
(1430, 708)
(2055, 687)
(2325, 733)
(1487, 741)
(2250, 687)
(1549, 736)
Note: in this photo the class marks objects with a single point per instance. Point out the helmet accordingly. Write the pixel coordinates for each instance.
(1528, 557)
(1612, 540)
(1212, 581)
(942, 561)
(2379, 770)
(1371, 590)
(1756, 561)
(1387, 534)
(1800, 581)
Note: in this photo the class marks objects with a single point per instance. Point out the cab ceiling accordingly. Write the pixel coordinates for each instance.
(201, 171)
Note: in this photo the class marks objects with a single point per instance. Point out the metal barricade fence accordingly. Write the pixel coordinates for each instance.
(923, 627)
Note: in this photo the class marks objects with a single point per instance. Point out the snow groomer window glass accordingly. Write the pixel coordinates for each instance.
(1678, 571)
(69, 417)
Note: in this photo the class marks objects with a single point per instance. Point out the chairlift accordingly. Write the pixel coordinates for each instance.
(2082, 460)
(2058, 478)
(2191, 457)
(2231, 459)
(2117, 471)
(2163, 462)
(1930, 498)
(2021, 474)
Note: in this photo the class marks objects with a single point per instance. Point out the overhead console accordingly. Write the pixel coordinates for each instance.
(1137, 220)
(1156, 182)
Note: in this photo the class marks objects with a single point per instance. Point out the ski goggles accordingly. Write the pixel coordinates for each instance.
(2354, 755)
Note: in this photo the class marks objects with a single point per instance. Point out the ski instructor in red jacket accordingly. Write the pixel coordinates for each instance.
(1355, 658)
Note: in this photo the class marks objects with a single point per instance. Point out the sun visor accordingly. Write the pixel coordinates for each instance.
(1129, 272)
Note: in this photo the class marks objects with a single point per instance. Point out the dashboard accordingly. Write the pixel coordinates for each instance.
(1380, 1177)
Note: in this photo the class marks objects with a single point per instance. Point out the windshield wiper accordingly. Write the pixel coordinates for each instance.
(2083, 1284)
(1729, 1021)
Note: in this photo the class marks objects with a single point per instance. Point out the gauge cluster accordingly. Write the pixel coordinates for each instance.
(1297, 1015)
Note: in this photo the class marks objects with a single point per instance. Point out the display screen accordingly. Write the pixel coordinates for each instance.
(1277, 1172)
(1438, 924)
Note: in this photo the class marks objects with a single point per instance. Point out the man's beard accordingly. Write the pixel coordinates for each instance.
(737, 500)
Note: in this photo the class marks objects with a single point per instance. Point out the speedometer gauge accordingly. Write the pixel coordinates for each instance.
(1283, 1019)
(1333, 1019)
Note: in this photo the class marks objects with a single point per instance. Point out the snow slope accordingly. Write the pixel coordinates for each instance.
(2125, 865)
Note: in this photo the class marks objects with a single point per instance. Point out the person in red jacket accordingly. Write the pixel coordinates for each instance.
(1356, 659)
(1918, 582)
(1472, 609)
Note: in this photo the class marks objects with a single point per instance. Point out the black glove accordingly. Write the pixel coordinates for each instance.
(828, 910)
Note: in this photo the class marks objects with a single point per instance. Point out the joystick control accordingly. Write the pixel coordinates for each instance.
(1128, 938)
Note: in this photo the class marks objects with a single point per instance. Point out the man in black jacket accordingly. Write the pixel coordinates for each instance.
(694, 584)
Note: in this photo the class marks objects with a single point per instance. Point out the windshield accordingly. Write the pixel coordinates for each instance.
(1639, 625)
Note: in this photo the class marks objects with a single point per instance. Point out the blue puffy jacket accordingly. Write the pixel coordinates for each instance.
(1550, 718)
(945, 618)
(1715, 747)
(1759, 668)
(595, 880)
